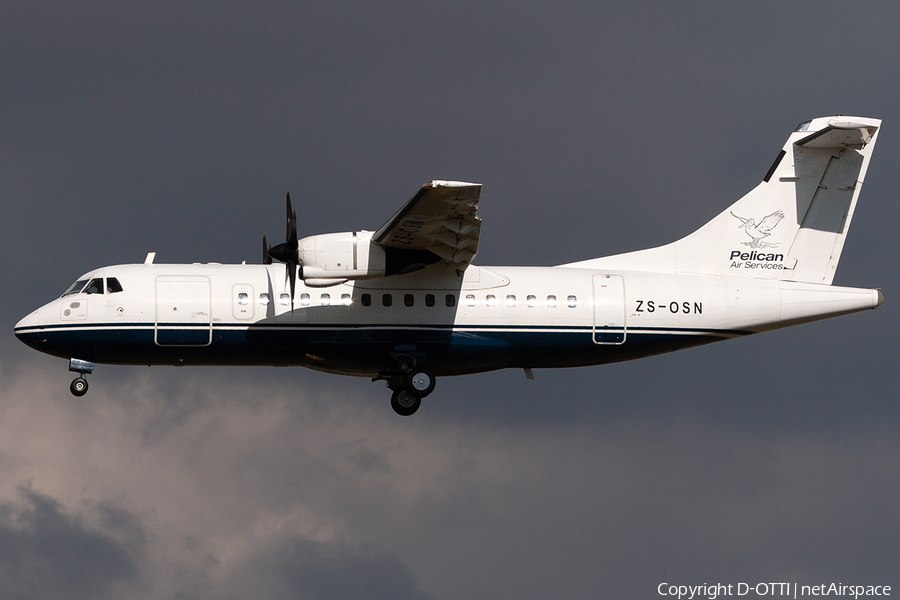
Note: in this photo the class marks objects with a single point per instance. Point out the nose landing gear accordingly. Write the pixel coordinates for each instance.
(79, 385)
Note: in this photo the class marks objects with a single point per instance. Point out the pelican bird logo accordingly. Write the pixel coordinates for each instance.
(760, 231)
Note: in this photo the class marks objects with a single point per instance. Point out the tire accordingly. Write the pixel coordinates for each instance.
(420, 382)
(404, 403)
(79, 387)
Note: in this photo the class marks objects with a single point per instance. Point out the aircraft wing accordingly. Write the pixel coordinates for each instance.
(439, 218)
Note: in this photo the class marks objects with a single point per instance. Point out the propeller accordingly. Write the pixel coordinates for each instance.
(288, 252)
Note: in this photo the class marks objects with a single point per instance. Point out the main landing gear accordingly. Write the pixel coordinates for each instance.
(79, 385)
(409, 389)
(404, 403)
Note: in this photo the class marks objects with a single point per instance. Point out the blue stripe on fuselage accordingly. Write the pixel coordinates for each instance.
(364, 349)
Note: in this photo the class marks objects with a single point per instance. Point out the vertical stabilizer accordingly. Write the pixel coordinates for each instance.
(792, 226)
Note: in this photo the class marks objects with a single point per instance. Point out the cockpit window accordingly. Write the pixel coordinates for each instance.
(95, 286)
(113, 285)
(75, 287)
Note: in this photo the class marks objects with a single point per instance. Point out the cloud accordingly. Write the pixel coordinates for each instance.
(47, 553)
(320, 491)
(307, 569)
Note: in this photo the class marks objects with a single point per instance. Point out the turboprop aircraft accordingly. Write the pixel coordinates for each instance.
(404, 304)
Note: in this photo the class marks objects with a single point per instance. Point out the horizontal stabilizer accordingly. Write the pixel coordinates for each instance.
(840, 133)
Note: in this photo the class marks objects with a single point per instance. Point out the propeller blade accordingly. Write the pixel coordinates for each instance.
(287, 252)
(291, 233)
(267, 258)
(292, 273)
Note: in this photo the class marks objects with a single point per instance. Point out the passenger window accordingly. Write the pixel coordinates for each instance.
(112, 285)
(450, 300)
(409, 300)
(243, 298)
(386, 300)
(325, 299)
(531, 301)
(571, 301)
(284, 299)
(551, 301)
(304, 299)
(94, 287)
(264, 299)
(470, 300)
(429, 299)
(510, 301)
(345, 299)
(491, 300)
(366, 300)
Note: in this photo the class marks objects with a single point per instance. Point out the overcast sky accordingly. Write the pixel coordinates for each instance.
(596, 128)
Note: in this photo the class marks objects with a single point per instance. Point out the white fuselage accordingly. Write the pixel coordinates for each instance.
(497, 317)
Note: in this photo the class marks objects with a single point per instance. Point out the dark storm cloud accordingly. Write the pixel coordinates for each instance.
(597, 128)
(47, 553)
(310, 570)
(311, 493)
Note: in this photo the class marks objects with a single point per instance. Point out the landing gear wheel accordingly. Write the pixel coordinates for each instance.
(420, 382)
(404, 403)
(79, 386)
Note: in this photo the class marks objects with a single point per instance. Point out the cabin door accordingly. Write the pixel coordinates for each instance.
(609, 309)
(183, 311)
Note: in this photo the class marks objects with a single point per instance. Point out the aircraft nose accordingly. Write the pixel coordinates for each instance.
(27, 327)
(31, 320)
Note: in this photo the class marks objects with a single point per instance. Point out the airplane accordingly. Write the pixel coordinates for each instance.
(404, 304)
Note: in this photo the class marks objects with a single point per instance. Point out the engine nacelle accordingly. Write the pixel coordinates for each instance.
(341, 256)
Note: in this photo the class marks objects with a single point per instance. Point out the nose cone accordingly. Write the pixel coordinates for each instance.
(41, 330)
(28, 330)
(28, 322)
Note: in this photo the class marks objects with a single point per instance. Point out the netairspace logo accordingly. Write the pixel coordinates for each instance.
(782, 589)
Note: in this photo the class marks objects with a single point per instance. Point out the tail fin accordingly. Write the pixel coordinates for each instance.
(792, 226)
